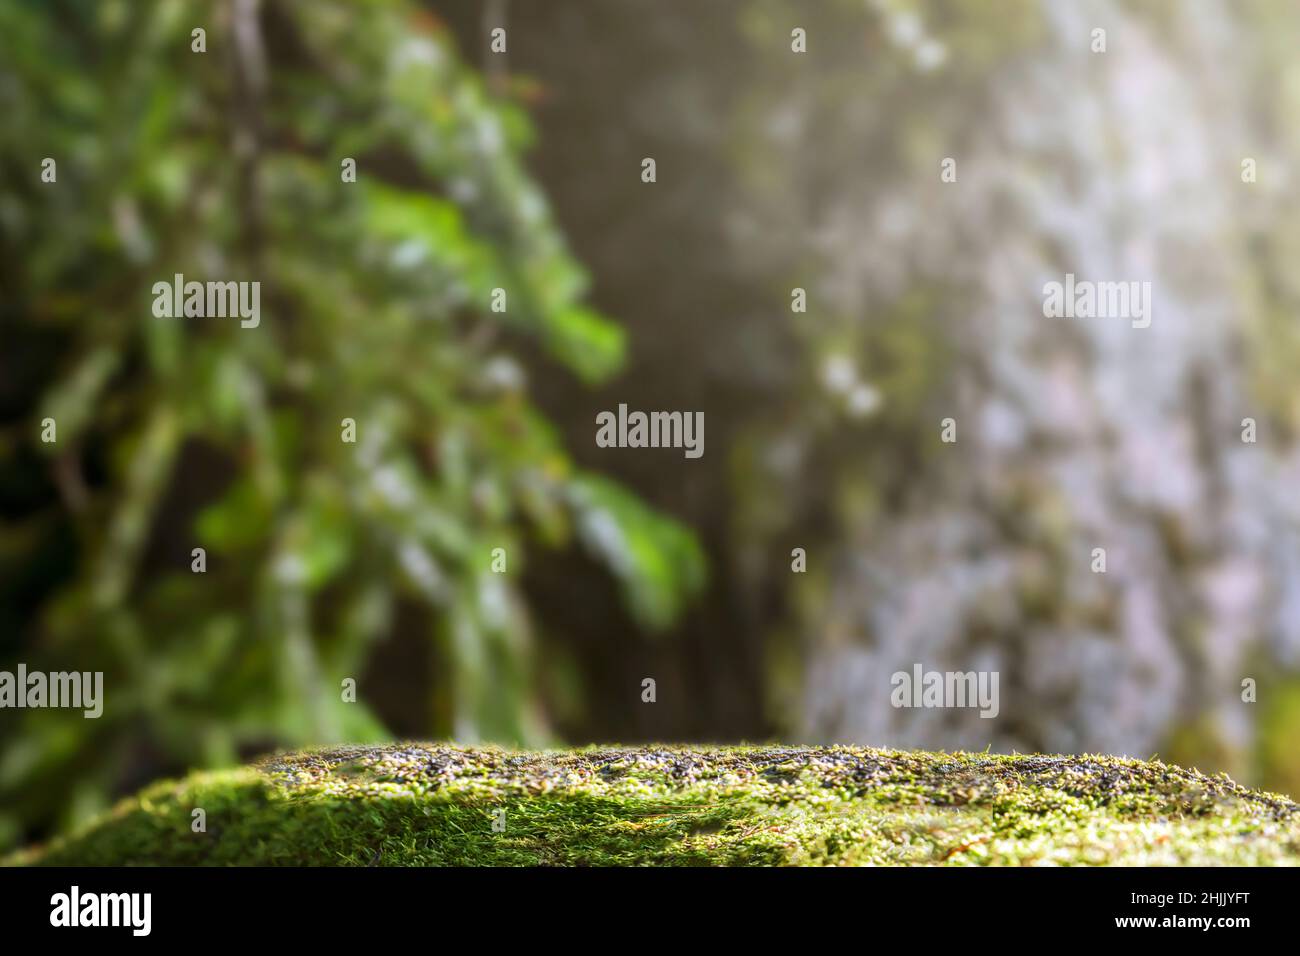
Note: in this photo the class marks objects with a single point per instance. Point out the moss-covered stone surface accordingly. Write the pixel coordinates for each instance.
(424, 804)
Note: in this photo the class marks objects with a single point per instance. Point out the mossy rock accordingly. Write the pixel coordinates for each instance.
(425, 804)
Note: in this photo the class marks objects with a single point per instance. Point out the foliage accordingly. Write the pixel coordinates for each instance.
(182, 433)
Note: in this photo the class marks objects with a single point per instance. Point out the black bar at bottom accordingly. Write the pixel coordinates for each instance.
(381, 907)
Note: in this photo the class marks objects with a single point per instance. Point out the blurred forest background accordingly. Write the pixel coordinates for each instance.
(522, 170)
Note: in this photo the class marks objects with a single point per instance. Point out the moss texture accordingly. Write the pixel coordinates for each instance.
(426, 804)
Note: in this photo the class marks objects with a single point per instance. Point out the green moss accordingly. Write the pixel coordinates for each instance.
(431, 804)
